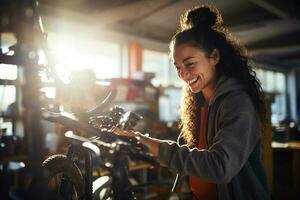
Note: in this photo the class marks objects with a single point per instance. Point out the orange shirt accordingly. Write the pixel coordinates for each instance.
(202, 189)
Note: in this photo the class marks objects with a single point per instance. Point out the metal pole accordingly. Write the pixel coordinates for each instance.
(20, 17)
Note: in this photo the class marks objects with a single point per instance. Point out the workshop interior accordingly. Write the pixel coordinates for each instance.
(72, 70)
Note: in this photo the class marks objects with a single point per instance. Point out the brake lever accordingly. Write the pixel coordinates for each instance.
(134, 142)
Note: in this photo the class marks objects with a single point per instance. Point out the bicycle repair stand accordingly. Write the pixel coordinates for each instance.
(21, 18)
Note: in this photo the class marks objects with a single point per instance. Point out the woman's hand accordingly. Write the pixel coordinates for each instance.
(151, 143)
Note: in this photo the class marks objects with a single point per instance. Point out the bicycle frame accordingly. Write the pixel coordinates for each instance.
(118, 169)
(121, 148)
(88, 165)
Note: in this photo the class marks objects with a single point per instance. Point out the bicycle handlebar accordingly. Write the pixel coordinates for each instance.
(117, 116)
(66, 119)
(72, 123)
(134, 154)
(135, 149)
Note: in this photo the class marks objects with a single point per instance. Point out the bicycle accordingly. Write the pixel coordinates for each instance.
(110, 151)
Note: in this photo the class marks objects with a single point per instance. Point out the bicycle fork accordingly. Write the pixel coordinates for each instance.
(88, 164)
(120, 179)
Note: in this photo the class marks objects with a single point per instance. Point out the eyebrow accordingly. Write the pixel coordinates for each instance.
(185, 59)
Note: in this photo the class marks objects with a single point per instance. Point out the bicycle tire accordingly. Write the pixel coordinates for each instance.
(102, 188)
(60, 164)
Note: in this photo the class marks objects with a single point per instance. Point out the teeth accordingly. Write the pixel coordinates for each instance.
(192, 81)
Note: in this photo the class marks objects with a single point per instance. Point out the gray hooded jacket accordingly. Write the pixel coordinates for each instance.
(233, 160)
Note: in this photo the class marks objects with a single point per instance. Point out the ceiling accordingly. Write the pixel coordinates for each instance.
(270, 29)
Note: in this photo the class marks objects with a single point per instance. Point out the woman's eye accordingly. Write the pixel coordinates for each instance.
(189, 64)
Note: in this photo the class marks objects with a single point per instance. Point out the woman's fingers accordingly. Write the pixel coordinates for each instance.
(128, 133)
(150, 143)
(119, 131)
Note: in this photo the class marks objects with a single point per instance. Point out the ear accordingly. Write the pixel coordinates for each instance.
(215, 56)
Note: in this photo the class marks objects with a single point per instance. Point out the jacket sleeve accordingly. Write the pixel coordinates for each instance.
(237, 134)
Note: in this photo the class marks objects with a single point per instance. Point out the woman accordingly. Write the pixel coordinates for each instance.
(221, 113)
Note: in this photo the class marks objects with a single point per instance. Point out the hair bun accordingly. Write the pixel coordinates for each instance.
(204, 17)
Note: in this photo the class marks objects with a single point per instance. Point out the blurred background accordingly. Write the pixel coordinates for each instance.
(96, 45)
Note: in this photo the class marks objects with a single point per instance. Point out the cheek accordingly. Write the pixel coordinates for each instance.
(210, 68)
(211, 73)
(213, 69)
(207, 73)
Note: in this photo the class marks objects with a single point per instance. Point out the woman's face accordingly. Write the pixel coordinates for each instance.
(194, 67)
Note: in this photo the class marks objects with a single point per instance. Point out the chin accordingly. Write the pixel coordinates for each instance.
(195, 91)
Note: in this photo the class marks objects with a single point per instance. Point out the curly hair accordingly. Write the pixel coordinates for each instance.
(202, 28)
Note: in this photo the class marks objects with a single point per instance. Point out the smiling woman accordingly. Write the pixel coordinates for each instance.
(218, 154)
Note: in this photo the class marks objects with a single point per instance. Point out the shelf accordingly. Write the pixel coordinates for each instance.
(8, 82)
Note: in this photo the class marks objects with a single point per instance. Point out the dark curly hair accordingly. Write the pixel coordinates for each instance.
(202, 27)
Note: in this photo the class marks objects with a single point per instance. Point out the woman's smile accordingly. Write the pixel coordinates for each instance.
(195, 84)
(191, 82)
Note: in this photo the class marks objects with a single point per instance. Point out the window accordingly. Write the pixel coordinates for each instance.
(72, 54)
(169, 105)
(8, 72)
(274, 83)
(7, 92)
(7, 96)
(157, 63)
(49, 92)
(165, 75)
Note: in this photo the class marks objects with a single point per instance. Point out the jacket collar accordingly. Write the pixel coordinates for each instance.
(225, 85)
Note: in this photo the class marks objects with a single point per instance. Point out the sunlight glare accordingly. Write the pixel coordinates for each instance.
(75, 53)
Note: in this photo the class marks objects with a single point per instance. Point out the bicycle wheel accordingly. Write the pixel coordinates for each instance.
(64, 178)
